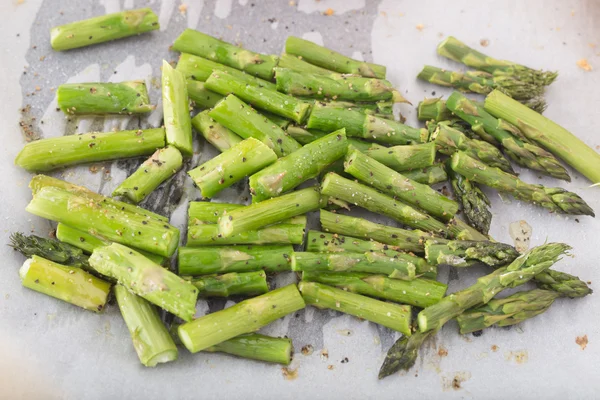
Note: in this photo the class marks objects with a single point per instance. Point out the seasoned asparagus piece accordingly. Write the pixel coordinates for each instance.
(163, 164)
(428, 175)
(244, 317)
(223, 259)
(151, 339)
(257, 347)
(204, 212)
(63, 151)
(243, 120)
(50, 249)
(231, 166)
(403, 353)
(546, 133)
(146, 279)
(200, 44)
(566, 285)
(215, 133)
(554, 199)
(433, 110)
(296, 63)
(69, 284)
(104, 98)
(465, 253)
(201, 96)
(232, 284)
(281, 233)
(178, 124)
(403, 158)
(331, 60)
(475, 204)
(103, 29)
(290, 171)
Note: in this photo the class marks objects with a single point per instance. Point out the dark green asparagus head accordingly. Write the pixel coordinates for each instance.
(403, 354)
(568, 202)
(50, 249)
(566, 285)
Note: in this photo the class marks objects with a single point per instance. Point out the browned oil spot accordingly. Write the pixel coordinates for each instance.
(289, 374)
(582, 341)
(494, 348)
(442, 352)
(455, 381)
(307, 350)
(520, 356)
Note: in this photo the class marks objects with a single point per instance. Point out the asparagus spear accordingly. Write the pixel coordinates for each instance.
(151, 339)
(88, 242)
(369, 262)
(107, 221)
(281, 233)
(525, 154)
(38, 182)
(546, 133)
(146, 279)
(403, 353)
(333, 243)
(521, 270)
(562, 283)
(50, 249)
(428, 175)
(326, 118)
(465, 253)
(163, 164)
(290, 171)
(223, 259)
(456, 50)
(270, 211)
(449, 140)
(200, 68)
(475, 204)
(104, 98)
(243, 159)
(69, 284)
(200, 44)
(201, 96)
(418, 292)
(460, 230)
(403, 158)
(296, 63)
(554, 199)
(433, 110)
(215, 133)
(335, 86)
(232, 284)
(204, 212)
(103, 29)
(481, 82)
(403, 239)
(374, 201)
(263, 98)
(257, 347)
(63, 151)
(244, 317)
(238, 116)
(393, 183)
(178, 124)
(331, 60)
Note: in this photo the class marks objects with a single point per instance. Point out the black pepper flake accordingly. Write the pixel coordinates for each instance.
(477, 333)
(81, 239)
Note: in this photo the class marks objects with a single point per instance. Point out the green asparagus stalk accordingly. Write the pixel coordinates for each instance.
(297, 64)
(368, 262)
(104, 98)
(200, 68)
(63, 151)
(224, 259)
(374, 201)
(554, 199)
(151, 339)
(270, 211)
(109, 222)
(290, 171)
(204, 212)
(403, 239)
(449, 140)
(433, 110)
(215, 133)
(481, 82)
(146, 279)
(88, 242)
(521, 270)
(103, 29)
(393, 183)
(238, 116)
(325, 118)
(263, 98)
(525, 154)
(331, 60)
(50, 249)
(69, 284)
(393, 316)
(202, 45)
(202, 97)
(510, 310)
(304, 136)
(162, 165)
(335, 86)
(403, 158)
(178, 124)
(456, 50)
(428, 175)
(465, 253)
(475, 204)
(562, 283)
(244, 317)
(232, 284)
(403, 354)
(257, 347)
(546, 133)
(460, 230)
(231, 166)
(281, 233)
(392, 132)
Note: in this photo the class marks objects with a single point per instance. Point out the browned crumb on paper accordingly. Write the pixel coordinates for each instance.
(584, 65)
(289, 374)
(329, 12)
(520, 357)
(442, 352)
(183, 8)
(324, 354)
(494, 348)
(484, 42)
(307, 350)
(330, 367)
(420, 27)
(582, 341)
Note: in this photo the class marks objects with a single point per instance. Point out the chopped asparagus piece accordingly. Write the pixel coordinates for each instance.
(215, 133)
(178, 124)
(232, 284)
(465, 253)
(104, 98)
(257, 347)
